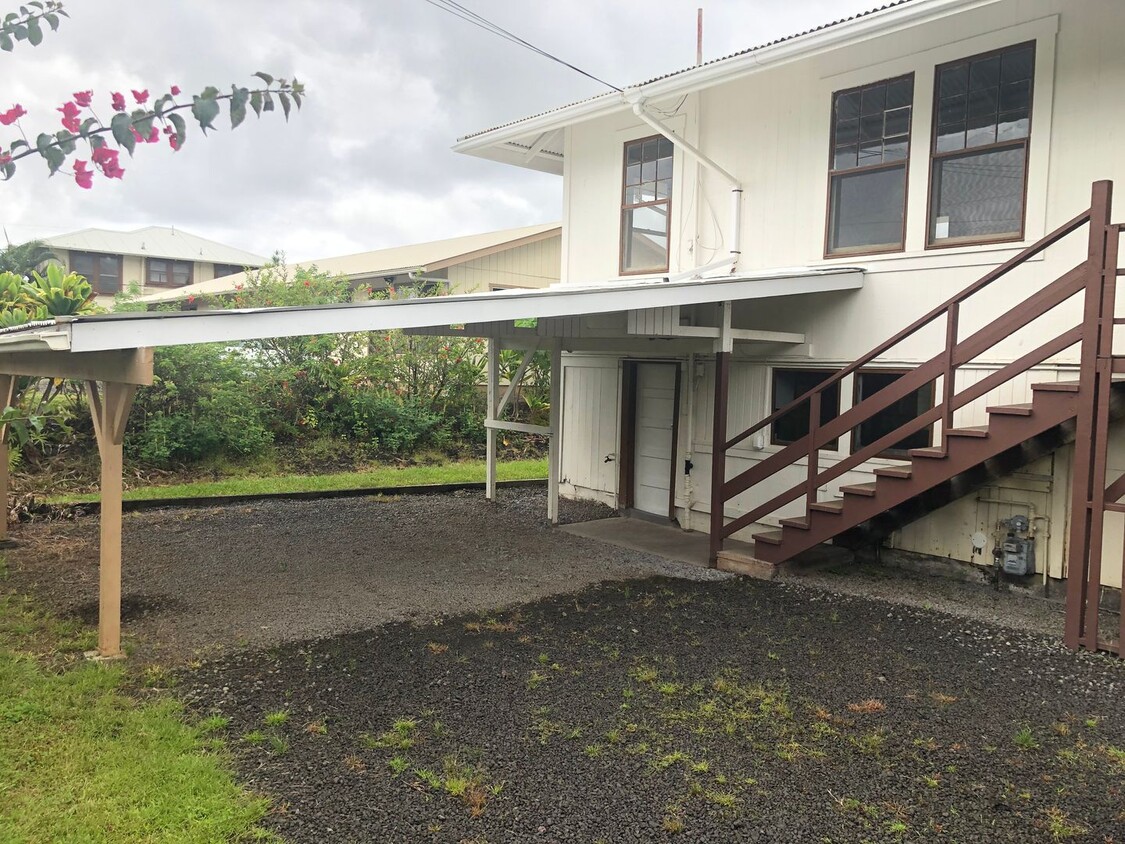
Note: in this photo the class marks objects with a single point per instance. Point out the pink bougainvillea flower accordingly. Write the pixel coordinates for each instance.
(70, 119)
(83, 176)
(4, 158)
(137, 136)
(83, 98)
(174, 142)
(175, 90)
(153, 136)
(7, 118)
(140, 96)
(105, 159)
(118, 101)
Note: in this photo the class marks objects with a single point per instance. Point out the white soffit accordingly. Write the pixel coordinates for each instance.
(141, 330)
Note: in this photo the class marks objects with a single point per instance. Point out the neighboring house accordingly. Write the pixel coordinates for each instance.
(925, 143)
(155, 258)
(510, 258)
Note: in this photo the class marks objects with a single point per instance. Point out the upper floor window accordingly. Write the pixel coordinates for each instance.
(165, 273)
(870, 146)
(222, 270)
(102, 271)
(646, 205)
(982, 124)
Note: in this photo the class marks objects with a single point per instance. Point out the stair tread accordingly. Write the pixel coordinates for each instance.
(827, 506)
(772, 537)
(800, 522)
(903, 472)
(1011, 409)
(931, 452)
(1057, 386)
(859, 489)
(969, 431)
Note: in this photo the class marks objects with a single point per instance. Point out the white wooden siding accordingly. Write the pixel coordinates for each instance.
(531, 265)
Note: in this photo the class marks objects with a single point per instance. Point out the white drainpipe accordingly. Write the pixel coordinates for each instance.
(735, 191)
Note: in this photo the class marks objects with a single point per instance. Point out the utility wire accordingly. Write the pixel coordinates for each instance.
(457, 10)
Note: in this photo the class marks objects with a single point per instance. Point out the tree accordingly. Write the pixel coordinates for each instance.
(150, 118)
(21, 259)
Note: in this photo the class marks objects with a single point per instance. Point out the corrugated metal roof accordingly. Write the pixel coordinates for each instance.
(155, 242)
(433, 255)
(614, 95)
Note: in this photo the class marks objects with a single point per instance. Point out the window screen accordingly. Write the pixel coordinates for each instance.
(790, 384)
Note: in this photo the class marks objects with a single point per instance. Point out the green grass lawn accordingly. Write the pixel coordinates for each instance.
(383, 476)
(81, 760)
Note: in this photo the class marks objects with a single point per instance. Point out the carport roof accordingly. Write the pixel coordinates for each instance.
(105, 332)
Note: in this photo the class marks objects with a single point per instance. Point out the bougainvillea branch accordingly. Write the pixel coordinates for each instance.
(143, 125)
(27, 23)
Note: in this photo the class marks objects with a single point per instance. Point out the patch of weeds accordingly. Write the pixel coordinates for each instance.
(1061, 826)
(398, 764)
(1060, 728)
(355, 764)
(437, 648)
(158, 677)
(926, 743)
(869, 744)
(669, 689)
(536, 679)
(700, 767)
(592, 750)
(545, 729)
(491, 624)
(1025, 739)
(213, 724)
(544, 659)
(673, 822)
(943, 699)
(254, 737)
(722, 799)
(399, 737)
(613, 736)
(316, 728)
(276, 719)
(867, 707)
(278, 745)
(670, 759)
(429, 778)
(931, 781)
(897, 827)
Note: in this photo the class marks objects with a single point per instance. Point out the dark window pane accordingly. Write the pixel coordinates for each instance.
(909, 407)
(870, 153)
(950, 138)
(871, 127)
(633, 154)
(982, 106)
(866, 210)
(847, 105)
(790, 384)
(984, 73)
(644, 233)
(873, 100)
(896, 149)
(847, 132)
(954, 80)
(82, 264)
(897, 122)
(845, 158)
(1015, 96)
(951, 110)
(648, 150)
(1018, 64)
(978, 195)
(665, 148)
(900, 93)
(181, 273)
(1013, 126)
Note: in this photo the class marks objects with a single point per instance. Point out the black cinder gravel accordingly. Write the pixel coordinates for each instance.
(666, 710)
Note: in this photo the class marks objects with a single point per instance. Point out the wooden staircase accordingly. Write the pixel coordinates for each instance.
(966, 458)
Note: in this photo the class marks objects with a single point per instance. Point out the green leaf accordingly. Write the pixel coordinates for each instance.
(265, 77)
(238, 99)
(84, 129)
(158, 106)
(66, 141)
(267, 101)
(256, 102)
(181, 128)
(284, 104)
(142, 121)
(6, 42)
(55, 158)
(122, 128)
(205, 109)
(19, 144)
(96, 141)
(8, 170)
(34, 33)
(42, 142)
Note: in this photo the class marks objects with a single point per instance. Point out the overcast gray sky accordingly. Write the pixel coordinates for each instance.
(392, 83)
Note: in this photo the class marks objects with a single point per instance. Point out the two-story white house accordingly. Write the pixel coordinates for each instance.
(924, 144)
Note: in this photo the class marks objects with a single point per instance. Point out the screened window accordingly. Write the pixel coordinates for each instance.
(982, 125)
(870, 145)
(222, 270)
(646, 205)
(102, 271)
(163, 273)
(910, 406)
(789, 384)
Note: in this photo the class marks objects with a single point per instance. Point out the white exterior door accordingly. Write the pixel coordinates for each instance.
(654, 441)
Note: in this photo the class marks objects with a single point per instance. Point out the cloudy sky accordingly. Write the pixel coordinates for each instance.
(392, 83)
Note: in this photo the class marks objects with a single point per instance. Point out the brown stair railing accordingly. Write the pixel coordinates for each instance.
(1094, 331)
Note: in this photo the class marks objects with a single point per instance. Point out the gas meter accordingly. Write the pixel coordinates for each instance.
(1015, 553)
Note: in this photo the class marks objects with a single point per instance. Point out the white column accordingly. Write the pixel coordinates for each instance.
(555, 424)
(490, 433)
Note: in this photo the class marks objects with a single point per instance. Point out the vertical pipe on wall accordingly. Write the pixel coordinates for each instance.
(555, 452)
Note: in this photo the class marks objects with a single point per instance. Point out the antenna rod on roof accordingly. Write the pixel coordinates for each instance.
(699, 37)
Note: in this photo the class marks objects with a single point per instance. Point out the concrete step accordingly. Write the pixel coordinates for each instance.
(747, 565)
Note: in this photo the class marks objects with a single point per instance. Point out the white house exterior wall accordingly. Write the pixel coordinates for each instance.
(771, 130)
(531, 265)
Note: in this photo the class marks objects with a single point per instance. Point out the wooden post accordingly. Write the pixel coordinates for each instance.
(7, 396)
(110, 403)
(490, 433)
(555, 453)
(723, 348)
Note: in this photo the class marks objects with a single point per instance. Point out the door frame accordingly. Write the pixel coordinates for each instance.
(627, 463)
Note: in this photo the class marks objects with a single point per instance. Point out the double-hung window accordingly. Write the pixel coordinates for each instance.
(166, 273)
(646, 206)
(982, 123)
(102, 271)
(867, 183)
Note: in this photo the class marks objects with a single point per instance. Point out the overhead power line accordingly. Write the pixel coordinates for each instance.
(458, 10)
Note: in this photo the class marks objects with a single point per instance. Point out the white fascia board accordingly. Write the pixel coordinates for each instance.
(229, 326)
(869, 26)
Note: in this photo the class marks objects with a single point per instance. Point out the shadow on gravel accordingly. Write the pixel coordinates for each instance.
(663, 710)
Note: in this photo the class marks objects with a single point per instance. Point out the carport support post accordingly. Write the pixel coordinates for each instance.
(723, 348)
(490, 432)
(110, 403)
(7, 396)
(555, 451)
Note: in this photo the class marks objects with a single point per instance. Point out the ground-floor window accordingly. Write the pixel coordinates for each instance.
(911, 406)
(790, 384)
